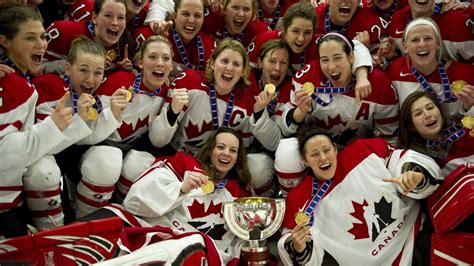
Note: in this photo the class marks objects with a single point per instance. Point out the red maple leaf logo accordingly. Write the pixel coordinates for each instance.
(331, 122)
(359, 229)
(192, 130)
(126, 129)
(198, 210)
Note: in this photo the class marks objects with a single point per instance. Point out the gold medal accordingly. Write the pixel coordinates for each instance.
(301, 218)
(92, 101)
(270, 88)
(308, 87)
(458, 85)
(128, 95)
(92, 114)
(112, 54)
(467, 122)
(208, 187)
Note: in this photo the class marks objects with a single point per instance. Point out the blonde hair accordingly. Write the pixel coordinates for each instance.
(425, 22)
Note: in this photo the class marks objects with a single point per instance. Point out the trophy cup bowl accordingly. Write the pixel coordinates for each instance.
(254, 219)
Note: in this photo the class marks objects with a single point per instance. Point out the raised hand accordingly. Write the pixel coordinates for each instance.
(193, 180)
(407, 181)
(161, 27)
(118, 102)
(125, 64)
(62, 115)
(5, 70)
(300, 235)
(262, 100)
(180, 99)
(466, 96)
(84, 102)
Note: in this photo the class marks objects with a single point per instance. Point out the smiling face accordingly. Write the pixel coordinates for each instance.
(225, 152)
(336, 65)
(228, 69)
(135, 6)
(274, 66)
(299, 34)
(421, 8)
(237, 15)
(109, 23)
(189, 19)
(383, 4)
(320, 155)
(27, 48)
(426, 118)
(341, 11)
(156, 64)
(86, 73)
(421, 45)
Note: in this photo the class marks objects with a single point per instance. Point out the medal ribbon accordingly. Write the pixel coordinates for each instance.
(318, 195)
(98, 104)
(7, 61)
(214, 112)
(239, 37)
(183, 54)
(136, 87)
(327, 24)
(275, 18)
(222, 184)
(273, 103)
(302, 57)
(329, 90)
(448, 97)
(451, 135)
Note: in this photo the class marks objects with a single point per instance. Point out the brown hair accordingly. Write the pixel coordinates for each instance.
(270, 46)
(408, 137)
(234, 46)
(12, 15)
(305, 133)
(85, 45)
(240, 170)
(302, 10)
(152, 39)
(226, 3)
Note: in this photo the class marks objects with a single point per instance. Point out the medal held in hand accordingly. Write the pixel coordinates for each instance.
(467, 122)
(208, 187)
(112, 54)
(301, 218)
(458, 85)
(92, 114)
(128, 95)
(308, 87)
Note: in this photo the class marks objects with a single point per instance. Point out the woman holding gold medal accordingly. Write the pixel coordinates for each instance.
(125, 151)
(186, 193)
(423, 69)
(355, 207)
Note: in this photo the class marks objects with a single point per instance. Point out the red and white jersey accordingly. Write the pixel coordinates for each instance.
(156, 198)
(297, 61)
(386, 14)
(405, 82)
(271, 126)
(364, 19)
(362, 220)
(376, 115)
(192, 51)
(81, 10)
(21, 141)
(51, 88)
(214, 25)
(60, 36)
(139, 111)
(455, 27)
(461, 152)
(194, 123)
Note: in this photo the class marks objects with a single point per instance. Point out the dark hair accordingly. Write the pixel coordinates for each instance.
(339, 37)
(408, 137)
(302, 10)
(177, 4)
(99, 3)
(240, 170)
(234, 46)
(85, 45)
(270, 46)
(12, 15)
(225, 4)
(305, 133)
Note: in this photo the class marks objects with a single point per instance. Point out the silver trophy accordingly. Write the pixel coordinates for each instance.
(254, 219)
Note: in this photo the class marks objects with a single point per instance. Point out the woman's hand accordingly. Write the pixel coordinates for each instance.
(387, 48)
(451, 5)
(180, 99)
(303, 105)
(118, 102)
(466, 96)
(363, 37)
(5, 70)
(300, 235)
(62, 115)
(262, 100)
(83, 104)
(193, 180)
(407, 181)
(362, 87)
(161, 27)
(126, 64)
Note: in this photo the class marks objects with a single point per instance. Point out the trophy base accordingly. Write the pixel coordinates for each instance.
(254, 255)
